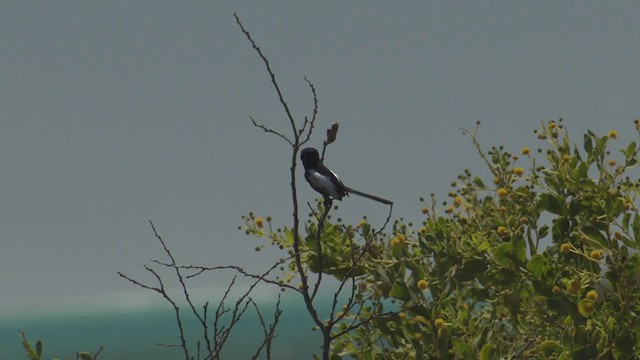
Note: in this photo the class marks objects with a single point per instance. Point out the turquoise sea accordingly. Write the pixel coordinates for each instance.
(133, 335)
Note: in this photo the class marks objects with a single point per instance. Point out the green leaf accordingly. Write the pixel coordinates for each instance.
(626, 218)
(478, 182)
(27, 346)
(560, 306)
(484, 246)
(588, 144)
(549, 347)
(625, 343)
(543, 231)
(39, 348)
(462, 349)
(575, 207)
(567, 336)
(560, 229)
(503, 253)
(587, 352)
(625, 240)
(581, 171)
(635, 226)
(601, 145)
(631, 149)
(536, 265)
(550, 203)
(614, 205)
(488, 352)
(596, 235)
(598, 337)
(580, 338)
(520, 248)
(399, 291)
(85, 355)
(471, 268)
(586, 307)
(289, 235)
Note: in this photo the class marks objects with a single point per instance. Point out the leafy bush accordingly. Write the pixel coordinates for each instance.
(539, 261)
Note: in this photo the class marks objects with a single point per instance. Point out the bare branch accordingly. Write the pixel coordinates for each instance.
(161, 291)
(311, 122)
(262, 277)
(271, 74)
(327, 206)
(267, 130)
(269, 331)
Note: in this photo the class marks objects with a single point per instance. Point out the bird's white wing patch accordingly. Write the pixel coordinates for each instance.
(323, 185)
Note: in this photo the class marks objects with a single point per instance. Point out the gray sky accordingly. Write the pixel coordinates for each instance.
(113, 113)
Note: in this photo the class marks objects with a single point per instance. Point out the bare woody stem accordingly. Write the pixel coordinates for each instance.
(299, 139)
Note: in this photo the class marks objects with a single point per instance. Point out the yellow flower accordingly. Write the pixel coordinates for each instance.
(422, 284)
(420, 318)
(566, 157)
(259, 222)
(526, 151)
(502, 193)
(518, 171)
(592, 295)
(588, 307)
(565, 248)
(596, 254)
(574, 287)
(425, 210)
(439, 323)
(612, 162)
(502, 230)
(612, 134)
(398, 240)
(458, 201)
(552, 124)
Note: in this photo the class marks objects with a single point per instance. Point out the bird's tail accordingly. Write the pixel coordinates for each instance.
(368, 196)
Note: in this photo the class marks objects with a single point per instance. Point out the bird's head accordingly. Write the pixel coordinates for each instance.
(309, 157)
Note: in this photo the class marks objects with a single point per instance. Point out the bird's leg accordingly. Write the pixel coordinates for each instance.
(328, 202)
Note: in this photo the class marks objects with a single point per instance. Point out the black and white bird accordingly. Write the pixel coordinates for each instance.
(325, 181)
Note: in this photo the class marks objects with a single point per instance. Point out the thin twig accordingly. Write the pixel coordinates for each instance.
(271, 74)
(313, 116)
(161, 291)
(183, 285)
(267, 130)
(269, 331)
(327, 206)
(261, 277)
